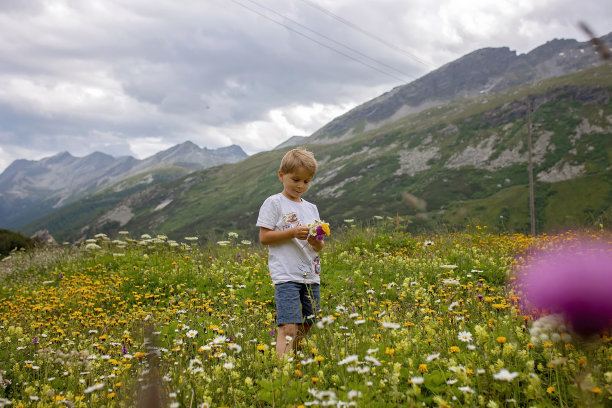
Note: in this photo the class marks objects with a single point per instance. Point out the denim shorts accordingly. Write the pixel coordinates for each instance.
(296, 302)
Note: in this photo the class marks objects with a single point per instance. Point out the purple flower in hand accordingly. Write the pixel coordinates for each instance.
(574, 281)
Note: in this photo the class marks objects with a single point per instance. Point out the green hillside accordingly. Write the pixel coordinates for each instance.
(465, 159)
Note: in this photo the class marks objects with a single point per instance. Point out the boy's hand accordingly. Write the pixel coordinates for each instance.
(315, 243)
(300, 232)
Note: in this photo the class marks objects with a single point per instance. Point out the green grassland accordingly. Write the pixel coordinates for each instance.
(405, 320)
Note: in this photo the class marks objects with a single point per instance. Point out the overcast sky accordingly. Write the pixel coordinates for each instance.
(137, 77)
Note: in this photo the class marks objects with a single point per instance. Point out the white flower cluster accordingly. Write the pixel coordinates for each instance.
(549, 328)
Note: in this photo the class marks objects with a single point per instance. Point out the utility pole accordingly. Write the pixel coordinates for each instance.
(530, 169)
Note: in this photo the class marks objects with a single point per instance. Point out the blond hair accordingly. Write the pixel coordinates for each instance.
(296, 158)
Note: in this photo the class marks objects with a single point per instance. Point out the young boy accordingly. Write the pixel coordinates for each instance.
(293, 261)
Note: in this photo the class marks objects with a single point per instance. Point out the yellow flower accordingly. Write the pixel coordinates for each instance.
(595, 390)
(501, 340)
(314, 380)
(325, 227)
(422, 368)
(318, 359)
(140, 354)
(390, 351)
(550, 390)
(453, 349)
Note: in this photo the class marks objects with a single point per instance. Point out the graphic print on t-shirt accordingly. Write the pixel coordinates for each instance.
(290, 218)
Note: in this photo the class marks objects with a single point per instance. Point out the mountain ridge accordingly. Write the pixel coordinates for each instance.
(54, 181)
(486, 70)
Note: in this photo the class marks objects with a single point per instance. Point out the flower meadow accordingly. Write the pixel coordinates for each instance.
(407, 320)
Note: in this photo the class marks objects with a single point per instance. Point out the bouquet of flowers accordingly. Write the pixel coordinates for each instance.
(319, 229)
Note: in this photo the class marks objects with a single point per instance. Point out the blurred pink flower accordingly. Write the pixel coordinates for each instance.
(575, 281)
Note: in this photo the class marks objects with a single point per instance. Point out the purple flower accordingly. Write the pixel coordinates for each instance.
(124, 349)
(479, 295)
(272, 332)
(320, 237)
(35, 340)
(61, 275)
(574, 281)
(231, 338)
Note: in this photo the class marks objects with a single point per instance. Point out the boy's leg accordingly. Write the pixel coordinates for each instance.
(310, 299)
(285, 339)
(288, 315)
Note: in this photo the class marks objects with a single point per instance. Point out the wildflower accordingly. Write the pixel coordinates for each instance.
(466, 389)
(454, 349)
(372, 360)
(228, 366)
(573, 281)
(389, 325)
(236, 347)
(349, 359)
(501, 340)
(93, 388)
(428, 243)
(192, 333)
(505, 375)
(422, 368)
(325, 321)
(417, 380)
(448, 266)
(550, 390)
(245, 242)
(450, 282)
(389, 351)
(352, 394)
(465, 336)
(432, 357)
(219, 340)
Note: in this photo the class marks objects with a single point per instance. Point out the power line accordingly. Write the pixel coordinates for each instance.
(373, 36)
(331, 39)
(321, 43)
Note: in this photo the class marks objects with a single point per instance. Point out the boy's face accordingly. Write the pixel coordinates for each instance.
(295, 183)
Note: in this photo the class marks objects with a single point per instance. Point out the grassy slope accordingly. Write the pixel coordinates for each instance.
(74, 216)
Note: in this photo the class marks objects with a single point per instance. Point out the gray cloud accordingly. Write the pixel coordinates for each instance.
(137, 77)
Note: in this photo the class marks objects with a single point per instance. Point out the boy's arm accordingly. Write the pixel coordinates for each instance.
(271, 237)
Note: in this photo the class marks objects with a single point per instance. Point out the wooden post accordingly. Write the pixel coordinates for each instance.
(530, 169)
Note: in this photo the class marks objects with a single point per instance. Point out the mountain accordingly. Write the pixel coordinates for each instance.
(482, 72)
(30, 189)
(461, 160)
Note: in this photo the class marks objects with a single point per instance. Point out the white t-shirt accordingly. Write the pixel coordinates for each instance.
(294, 260)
